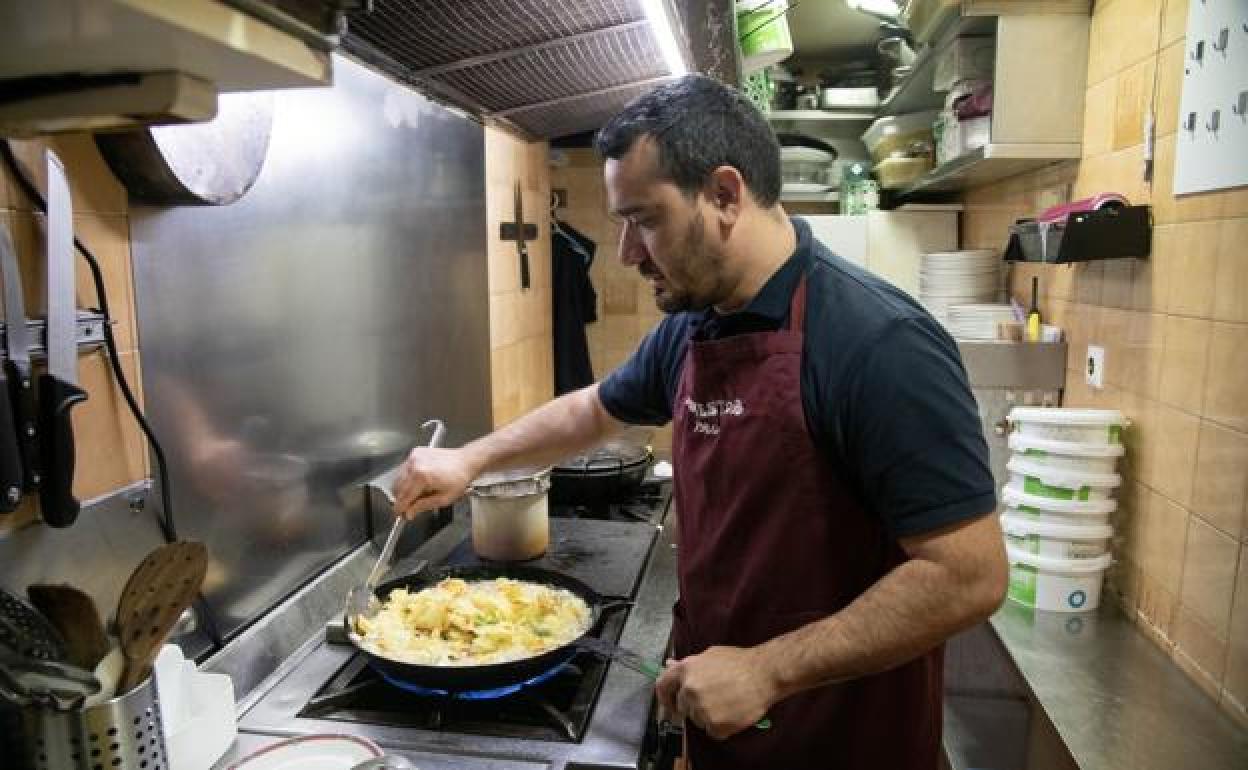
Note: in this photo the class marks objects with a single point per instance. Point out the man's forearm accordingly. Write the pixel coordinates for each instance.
(571, 423)
(909, 611)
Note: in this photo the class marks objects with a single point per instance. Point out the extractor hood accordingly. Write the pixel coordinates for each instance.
(549, 68)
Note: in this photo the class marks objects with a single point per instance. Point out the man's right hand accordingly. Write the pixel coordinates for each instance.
(432, 478)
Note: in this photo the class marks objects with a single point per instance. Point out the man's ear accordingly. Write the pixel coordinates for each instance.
(725, 189)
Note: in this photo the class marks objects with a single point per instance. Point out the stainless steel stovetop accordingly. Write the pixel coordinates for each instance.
(590, 715)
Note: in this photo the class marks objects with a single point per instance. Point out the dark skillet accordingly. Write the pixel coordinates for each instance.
(494, 675)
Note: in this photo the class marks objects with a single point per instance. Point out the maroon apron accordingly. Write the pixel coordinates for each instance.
(772, 539)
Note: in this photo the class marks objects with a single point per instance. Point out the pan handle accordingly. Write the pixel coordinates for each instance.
(605, 607)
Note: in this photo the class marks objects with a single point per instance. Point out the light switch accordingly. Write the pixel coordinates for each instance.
(1095, 366)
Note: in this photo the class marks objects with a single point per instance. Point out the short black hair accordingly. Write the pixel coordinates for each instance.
(698, 125)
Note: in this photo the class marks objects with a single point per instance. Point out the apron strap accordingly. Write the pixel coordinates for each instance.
(797, 308)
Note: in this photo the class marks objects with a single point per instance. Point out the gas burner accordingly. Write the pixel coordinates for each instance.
(491, 694)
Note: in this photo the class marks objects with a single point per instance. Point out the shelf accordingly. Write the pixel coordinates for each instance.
(831, 196)
(915, 92)
(817, 121)
(988, 164)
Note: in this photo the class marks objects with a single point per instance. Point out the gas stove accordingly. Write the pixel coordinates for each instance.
(588, 713)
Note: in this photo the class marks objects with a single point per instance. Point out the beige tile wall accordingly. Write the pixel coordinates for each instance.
(110, 449)
(521, 358)
(1175, 330)
(626, 309)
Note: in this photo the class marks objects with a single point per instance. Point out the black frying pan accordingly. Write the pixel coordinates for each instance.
(494, 675)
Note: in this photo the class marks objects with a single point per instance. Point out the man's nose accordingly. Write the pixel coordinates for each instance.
(632, 250)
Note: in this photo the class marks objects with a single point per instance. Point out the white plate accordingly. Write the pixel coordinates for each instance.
(803, 187)
(312, 752)
(806, 154)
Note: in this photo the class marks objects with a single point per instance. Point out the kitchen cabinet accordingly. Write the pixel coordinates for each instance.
(890, 244)
(90, 64)
(1039, 81)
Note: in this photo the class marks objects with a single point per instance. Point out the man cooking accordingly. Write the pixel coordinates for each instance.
(831, 480)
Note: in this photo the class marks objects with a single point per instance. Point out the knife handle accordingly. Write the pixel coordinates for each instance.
(56, 493)
(22, 401)
(10, 457)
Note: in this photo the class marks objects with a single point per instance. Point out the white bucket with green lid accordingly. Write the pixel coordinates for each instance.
(1056, 585)
(1053, 511)
(1056, 541)
(1060, 483)
(763, 33)
(1076, 455)
(1090, 426)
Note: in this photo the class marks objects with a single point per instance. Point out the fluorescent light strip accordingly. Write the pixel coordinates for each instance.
(661, 26)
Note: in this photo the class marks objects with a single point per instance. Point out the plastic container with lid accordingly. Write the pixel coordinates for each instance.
(1088, 426)
(1075, 455)
(1060, 483)
(1056, 541)
(895, 133)
(1053, 511)
(898, 172)
(1056, 585)
(764, 37)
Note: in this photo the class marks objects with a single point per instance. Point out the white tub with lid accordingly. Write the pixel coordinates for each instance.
(1060, 483)
(1053, 511)
(1099, 426)
(1056, 541)
(1076, 455)
(1056, 585)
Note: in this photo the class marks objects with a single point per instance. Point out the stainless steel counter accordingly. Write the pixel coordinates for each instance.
(1116, 700)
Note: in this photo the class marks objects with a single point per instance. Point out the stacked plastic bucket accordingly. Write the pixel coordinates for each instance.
(1058, 504)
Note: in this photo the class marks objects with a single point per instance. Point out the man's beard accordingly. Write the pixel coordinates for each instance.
(696, 270)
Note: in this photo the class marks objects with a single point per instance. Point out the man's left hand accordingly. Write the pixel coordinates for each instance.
(723, 690)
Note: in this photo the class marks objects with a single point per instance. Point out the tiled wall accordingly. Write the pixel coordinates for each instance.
(626, 309)
(1175, 331)
(110, 449)
(521, 358)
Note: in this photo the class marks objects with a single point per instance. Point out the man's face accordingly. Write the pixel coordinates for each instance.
(664, 232)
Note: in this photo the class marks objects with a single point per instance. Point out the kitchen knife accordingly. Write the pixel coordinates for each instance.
(58, 388)
(18, 450)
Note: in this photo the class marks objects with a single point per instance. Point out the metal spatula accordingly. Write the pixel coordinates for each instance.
(362, 600)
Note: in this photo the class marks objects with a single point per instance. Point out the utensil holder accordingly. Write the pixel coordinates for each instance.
(124, 732)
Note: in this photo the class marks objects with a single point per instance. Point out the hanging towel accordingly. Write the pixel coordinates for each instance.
(575, 303)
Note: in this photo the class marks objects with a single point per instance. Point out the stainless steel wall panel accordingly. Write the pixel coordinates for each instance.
(293, 342)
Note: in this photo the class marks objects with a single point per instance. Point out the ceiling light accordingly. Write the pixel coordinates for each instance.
(661, 26)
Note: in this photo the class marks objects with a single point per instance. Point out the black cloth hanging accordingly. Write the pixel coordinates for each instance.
(575, 304)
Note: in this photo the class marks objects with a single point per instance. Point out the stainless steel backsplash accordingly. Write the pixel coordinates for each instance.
(293, 342)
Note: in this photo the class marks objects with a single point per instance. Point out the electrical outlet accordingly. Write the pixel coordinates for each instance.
(1094, 366)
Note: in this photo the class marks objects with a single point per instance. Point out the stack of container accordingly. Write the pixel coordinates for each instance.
(1058, 504)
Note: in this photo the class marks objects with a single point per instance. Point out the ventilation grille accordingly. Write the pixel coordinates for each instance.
(553, 67)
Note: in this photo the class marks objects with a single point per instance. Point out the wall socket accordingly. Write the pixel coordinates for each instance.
(1094, 366)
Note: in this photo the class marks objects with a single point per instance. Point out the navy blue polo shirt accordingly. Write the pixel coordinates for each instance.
(883, 388)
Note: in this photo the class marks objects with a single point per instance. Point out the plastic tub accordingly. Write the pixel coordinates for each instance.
(764, 28)
(1086, 426)
(1060, 483)
(1053, 511)
(899, 172)
(1093, 458)
(897, 132)
(1056, 585)
(1056, 541)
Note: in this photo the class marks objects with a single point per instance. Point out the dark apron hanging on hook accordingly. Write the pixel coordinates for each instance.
(574, 305)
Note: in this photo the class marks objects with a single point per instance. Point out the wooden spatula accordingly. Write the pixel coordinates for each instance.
(74, 615)
(157, 592)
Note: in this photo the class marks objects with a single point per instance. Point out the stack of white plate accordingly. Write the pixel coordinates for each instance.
(958, 278)
(977, 321)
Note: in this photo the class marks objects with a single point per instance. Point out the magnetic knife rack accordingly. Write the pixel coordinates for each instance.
(90, 334)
